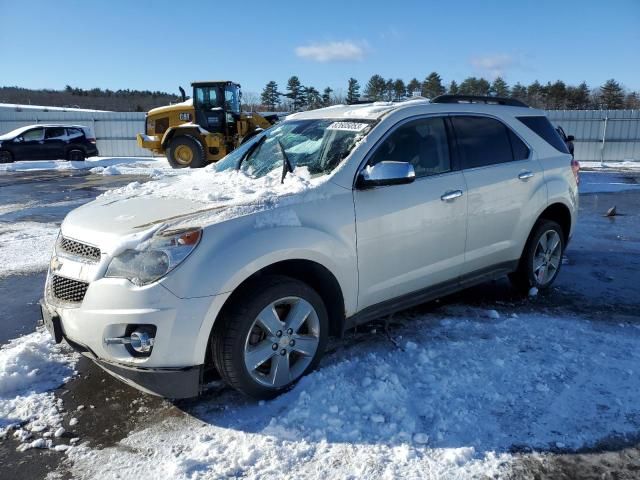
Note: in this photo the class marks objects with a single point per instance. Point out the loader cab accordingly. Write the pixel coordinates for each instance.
(217, 106)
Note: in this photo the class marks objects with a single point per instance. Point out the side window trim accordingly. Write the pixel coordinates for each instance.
(458, 154)
(399, 124)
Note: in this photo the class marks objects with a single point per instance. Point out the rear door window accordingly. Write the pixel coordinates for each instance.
(53, 133)
(482, 141)
(543, 128)
(423, 143)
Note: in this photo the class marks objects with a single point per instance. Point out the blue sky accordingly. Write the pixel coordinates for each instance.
(159, 45)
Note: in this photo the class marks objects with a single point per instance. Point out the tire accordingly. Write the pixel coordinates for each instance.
(76, 155)
(240, 340)
(6, 157)
(537, 267)
(186, 151)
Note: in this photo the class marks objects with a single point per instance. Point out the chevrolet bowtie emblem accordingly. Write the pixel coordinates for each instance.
(55, 264)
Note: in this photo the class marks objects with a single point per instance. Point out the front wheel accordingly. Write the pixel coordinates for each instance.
(542, 257)
(5, 157)
(186, 151)
(263, 345)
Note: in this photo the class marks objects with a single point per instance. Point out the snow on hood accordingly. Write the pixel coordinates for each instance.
(201, 197)
(14, 133)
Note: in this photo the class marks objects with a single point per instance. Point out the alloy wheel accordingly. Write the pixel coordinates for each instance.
(282, 342)
(547, 257)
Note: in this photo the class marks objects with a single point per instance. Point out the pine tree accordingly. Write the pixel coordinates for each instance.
(295, 93)
(556, 95)
(414, 87)
(312, 97)
(475, 86)
(612, 95)
(632, 101)
(432, 86)
(326, 97)
(388, 90)
(519, 92)
(453, 88)
(375, 88)
(270, 95)
(399, 90)
(353, 91)
(535, 94)
(499, 88)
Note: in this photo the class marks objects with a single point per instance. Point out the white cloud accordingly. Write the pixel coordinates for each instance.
(331, 51)
(494, 65)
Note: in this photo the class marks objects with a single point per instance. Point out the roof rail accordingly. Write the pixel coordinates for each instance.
(511, 102)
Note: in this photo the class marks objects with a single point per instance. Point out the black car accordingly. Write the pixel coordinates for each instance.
(48, 142)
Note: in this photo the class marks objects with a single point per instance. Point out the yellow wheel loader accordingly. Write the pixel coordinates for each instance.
(202, 129)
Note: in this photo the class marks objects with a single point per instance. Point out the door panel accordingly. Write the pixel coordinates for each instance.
(31, 148)
(500, 209)
(411, 236)
(55, 140)
(408, 237)
(504, 184)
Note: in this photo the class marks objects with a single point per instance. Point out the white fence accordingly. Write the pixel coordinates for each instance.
(601, 135)
(115, 131)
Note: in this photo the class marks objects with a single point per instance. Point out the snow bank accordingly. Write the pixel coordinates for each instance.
(624, 165)
(30, 367)
(26, 246)
(452, 401)
(99, 165)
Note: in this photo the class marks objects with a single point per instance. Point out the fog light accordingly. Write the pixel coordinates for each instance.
(141, 342)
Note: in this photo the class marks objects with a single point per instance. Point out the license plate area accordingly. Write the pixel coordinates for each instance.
(51, 322)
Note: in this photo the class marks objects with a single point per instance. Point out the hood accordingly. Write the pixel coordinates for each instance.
(103, 220)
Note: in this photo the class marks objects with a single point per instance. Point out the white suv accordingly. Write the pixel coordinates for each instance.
(327, 220)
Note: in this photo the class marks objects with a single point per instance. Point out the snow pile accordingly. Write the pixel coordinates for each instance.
(31, 366)
(229, 193)
(99, 165)
(454, 400)
(26, 246)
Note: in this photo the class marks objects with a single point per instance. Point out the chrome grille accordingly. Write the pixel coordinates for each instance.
(79, 249)
(68, 290)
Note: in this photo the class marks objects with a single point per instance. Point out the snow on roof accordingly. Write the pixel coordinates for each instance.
(44, 108)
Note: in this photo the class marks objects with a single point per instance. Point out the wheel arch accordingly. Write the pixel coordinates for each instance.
(317, 276)
(559, 213)
(172, 132)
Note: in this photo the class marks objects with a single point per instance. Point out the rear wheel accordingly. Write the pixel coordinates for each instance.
(5, 157)
(76, 155)
(542, 257)
(186, 151)
(263, 345)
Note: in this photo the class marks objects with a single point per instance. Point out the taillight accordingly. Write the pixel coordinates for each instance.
(92, 140)
(575, 168)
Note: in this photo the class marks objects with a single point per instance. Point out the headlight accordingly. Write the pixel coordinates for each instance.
(154, 258)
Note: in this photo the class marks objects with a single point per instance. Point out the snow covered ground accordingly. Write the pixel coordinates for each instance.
(458, 393)
(99, 165)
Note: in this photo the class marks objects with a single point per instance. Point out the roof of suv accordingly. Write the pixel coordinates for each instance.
(377, 110)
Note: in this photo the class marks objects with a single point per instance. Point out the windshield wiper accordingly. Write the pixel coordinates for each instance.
(251, 149)
(286, 164)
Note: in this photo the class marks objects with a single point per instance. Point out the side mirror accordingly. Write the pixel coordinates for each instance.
(570, 138)
(18, 140)
(386, 173)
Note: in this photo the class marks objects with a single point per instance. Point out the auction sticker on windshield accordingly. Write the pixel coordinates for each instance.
(348, 126)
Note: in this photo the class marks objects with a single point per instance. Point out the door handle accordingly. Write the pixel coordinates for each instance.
(526, 175)
(451, 195)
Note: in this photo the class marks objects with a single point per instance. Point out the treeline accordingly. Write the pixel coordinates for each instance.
(557, 95)
(94, 99)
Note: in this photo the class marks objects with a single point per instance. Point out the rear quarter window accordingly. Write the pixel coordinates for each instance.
(543, 128)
